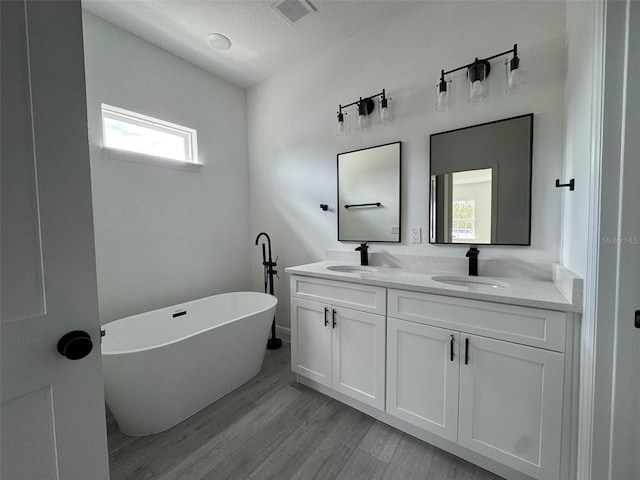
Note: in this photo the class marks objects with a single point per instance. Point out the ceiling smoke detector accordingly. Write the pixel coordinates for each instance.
(219, 41)
(293, 10)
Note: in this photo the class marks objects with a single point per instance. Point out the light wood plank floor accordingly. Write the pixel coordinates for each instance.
(274, 428)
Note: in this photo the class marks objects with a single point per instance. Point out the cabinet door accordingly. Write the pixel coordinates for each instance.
(358, 352)
(511, 404)
(311, 340)
(422, 376)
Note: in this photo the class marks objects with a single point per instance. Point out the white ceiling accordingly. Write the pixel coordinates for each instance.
(263, 43)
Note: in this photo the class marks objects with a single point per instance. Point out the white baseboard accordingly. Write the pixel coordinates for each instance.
(284, 333)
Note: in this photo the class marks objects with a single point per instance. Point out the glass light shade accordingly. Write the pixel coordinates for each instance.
(443, 95)
(341, 125)
(344, 127)
(514, 74)
(384, 113)
(362, 121)
(476, 91)
(477, 76)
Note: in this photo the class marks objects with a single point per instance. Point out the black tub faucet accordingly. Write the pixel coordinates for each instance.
(473, 261)
(364, 253)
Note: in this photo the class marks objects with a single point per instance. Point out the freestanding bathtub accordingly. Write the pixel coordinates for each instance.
(163, 366)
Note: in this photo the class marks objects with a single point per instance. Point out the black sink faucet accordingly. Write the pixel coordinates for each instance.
(473, 261)
(364, 253)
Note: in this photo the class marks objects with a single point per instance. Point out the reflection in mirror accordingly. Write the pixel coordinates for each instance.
(470, 206)
(480, 184)
(369, 194)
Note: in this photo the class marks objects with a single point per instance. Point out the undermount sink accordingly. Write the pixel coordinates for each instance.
(470, 282)
(351, 268)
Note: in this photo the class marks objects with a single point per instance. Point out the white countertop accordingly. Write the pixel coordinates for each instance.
(527, 292)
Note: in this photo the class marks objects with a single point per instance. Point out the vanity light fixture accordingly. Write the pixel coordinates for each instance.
(342, 127)
(443, 94)
(477, 73)
(365, 107)
(515, 77)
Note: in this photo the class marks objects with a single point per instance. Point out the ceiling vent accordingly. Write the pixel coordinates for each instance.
(293, 10)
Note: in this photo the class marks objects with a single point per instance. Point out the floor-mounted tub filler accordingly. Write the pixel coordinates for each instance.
(163, 366)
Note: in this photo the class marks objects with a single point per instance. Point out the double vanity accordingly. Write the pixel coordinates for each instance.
(483, 367)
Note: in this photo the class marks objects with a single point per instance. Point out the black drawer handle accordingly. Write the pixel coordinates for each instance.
(466, 351)
(451, 347)
(334, 317)
(326, 320)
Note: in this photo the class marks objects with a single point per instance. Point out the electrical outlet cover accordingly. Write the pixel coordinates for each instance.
(416, 235)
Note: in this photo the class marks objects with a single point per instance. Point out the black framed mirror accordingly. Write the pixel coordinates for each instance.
(369, 194)
(480, 183)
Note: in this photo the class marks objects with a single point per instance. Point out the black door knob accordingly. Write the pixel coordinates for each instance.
(75, 345)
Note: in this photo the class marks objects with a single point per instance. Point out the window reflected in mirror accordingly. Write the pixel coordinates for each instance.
(469, 190)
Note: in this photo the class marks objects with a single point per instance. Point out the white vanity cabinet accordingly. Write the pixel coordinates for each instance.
(494, 383)
(338, 336)
(487, 376)
(510, 405)
(422, 376)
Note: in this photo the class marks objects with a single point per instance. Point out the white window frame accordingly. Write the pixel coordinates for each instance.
(189, 134)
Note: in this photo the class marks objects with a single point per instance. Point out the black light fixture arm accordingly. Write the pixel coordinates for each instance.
(514, 50)
(371, 97)
(364, 100)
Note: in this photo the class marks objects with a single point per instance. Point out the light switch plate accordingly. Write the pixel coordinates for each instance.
(394, 230)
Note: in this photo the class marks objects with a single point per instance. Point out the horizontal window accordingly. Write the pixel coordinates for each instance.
(134, 132)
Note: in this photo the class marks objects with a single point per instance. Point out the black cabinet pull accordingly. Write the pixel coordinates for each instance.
(326, 320)
(451, 347)
(334, 318)
(466, 351)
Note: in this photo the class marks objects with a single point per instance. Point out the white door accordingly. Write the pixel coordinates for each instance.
(311, 340)
(511, 404)
(53, 423)
(422, 376)
(358, 355)
(625, 461)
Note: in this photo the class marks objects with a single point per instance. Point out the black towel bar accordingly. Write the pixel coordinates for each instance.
(376, 204)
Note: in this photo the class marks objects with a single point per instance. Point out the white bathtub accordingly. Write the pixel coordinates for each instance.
(161, 367)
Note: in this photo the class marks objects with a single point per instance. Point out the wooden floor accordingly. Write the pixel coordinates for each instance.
(274, 428)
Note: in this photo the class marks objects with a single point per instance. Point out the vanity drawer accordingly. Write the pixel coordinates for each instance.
(365, 298)
(524, 325)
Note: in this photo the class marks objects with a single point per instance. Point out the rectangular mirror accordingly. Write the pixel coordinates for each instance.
(369, 194)
(480, 184)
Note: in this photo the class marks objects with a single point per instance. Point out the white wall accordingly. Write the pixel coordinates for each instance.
(578, 121)
(293, 147)
(165, 235)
